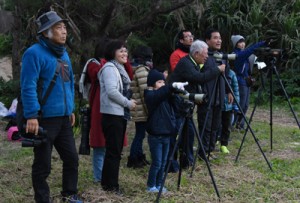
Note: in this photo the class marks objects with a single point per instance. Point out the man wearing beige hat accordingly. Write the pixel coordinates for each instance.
(40, 62)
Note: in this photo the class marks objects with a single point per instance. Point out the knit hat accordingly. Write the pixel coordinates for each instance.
(153, 76)
(235, 39)
(47, 20)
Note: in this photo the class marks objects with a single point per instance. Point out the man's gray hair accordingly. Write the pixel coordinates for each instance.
(197, 46)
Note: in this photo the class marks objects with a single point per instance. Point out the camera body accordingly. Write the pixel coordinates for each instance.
(31, 140)
(267, 51)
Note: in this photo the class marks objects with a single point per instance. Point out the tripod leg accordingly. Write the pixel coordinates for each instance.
(250, 120)
(205, 159)
(206, 118)
(179, 137)
(271, 109)
(248, 125)
(252, 114)
(286, 96)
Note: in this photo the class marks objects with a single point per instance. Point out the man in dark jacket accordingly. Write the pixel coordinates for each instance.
(188, 69)
(215, 96)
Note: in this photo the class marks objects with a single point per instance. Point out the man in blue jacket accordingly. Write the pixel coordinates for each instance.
(56, 117)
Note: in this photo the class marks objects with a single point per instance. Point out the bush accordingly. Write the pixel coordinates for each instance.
(5, 44)
(9, 91)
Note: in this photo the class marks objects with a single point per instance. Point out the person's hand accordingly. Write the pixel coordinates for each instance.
(268, 41)
(32, 126)
(222, 68)
(230, 98)
(72, 119)
(179, 85)
(133, 104)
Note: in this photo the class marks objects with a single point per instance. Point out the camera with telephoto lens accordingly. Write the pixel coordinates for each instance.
(193, 97)
(267, 51)
(32, 140)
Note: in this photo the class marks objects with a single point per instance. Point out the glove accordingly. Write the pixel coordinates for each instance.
(179, 85)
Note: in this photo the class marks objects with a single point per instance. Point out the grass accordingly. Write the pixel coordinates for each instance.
(248, 180)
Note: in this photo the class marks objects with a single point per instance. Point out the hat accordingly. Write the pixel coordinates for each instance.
(153, 76)
(47, 20)
(236, 38)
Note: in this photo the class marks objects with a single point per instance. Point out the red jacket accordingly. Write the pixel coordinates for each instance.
(96, 134)
(175, 57)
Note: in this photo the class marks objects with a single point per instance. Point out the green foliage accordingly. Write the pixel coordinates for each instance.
(5, 44)
(8, 91)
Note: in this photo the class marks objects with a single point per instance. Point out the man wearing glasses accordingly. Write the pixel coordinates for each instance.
(184, 41)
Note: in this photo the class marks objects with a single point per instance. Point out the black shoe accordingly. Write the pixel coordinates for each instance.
(144, 160)
(135, 163)
(72, 199)
(118, 192)
(114, 190)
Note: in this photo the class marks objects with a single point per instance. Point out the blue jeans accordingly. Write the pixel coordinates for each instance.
(159, 148)
(136, 149)
(244, 103)
(98, 160)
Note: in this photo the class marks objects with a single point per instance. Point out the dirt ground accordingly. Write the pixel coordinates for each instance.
(6, 68)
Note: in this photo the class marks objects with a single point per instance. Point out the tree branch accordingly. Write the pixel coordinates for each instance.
(148, 18)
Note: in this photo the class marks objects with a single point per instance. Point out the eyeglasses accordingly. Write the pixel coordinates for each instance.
(189, 36)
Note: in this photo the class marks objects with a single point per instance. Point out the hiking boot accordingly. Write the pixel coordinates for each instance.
(224, 149)
(135, 163)
(72, 199)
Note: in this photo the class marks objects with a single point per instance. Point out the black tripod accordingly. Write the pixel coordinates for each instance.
(240, 109)
(271, 69)
(181, 138)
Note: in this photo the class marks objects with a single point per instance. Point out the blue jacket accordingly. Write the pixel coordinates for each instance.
(39, 63)
(161, 117)
(235, 88)
(241, 63)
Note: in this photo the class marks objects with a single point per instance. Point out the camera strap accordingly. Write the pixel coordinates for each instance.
(53, 81)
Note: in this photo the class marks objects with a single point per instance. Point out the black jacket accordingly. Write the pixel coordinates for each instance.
(187, 71)
(161, 118)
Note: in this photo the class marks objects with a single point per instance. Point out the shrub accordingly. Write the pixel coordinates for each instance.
(5, 44)
(8, 91)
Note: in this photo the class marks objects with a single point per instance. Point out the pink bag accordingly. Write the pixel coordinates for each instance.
(13, 134)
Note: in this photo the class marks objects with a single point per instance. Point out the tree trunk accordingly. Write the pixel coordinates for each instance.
(17, 44)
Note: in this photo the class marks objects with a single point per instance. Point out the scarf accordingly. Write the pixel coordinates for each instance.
(183, 48)
(58, 50)
(126, 86)
(124, 76)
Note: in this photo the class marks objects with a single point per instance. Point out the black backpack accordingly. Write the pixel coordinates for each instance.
(20, 120)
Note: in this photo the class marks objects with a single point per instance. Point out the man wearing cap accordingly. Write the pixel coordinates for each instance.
(243, 72)
(55, 116)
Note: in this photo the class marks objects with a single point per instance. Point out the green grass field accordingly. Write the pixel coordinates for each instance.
(248, 180)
